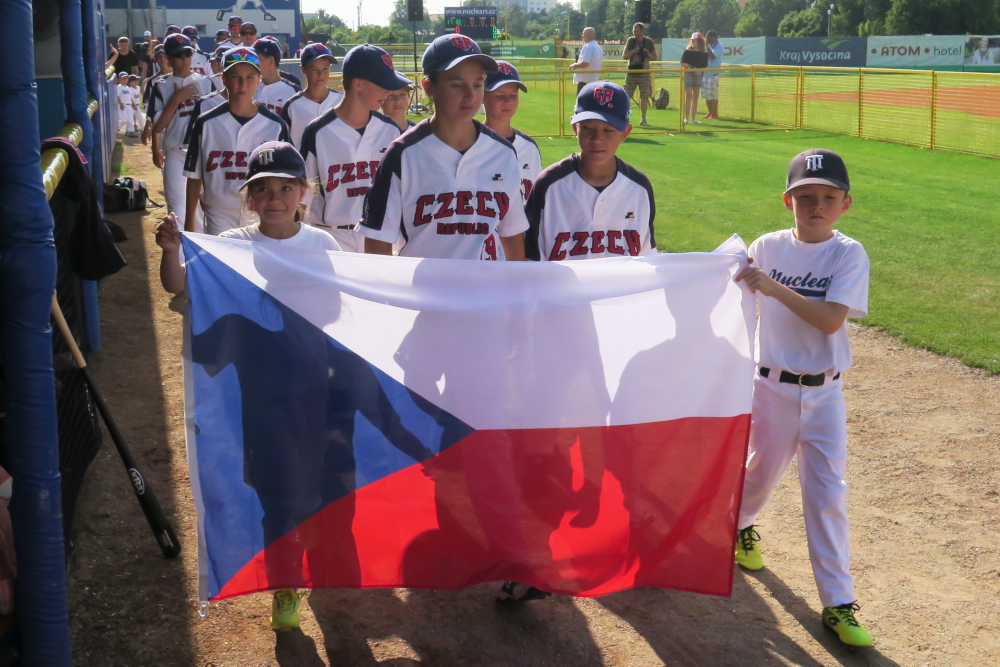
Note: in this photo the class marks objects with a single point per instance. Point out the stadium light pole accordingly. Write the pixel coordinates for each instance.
(829, 21)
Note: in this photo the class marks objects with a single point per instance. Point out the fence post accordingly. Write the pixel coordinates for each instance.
(934, 88)
(682, 101)
(753, 93)
(801, 107)
(861, 102)
(561, 89)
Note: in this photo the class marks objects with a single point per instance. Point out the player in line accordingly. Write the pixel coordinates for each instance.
(309, 104)
(593, 204)
(171, 105)
(163, 66)
(808, 281)
(274, 91)
(501, 99)
(220, 142)
(126, 121)
(447, 184)
(199, 59)
(135, 96)
(344, 146)
(395, 105)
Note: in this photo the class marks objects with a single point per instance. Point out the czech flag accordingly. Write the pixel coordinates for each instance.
(360, 421)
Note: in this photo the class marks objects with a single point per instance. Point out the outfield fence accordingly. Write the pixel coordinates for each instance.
(954, 111)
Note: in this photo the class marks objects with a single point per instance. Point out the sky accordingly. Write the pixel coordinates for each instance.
(372, 11)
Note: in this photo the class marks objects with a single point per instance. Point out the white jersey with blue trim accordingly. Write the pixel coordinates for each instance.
(274, 95)
(443, 203)
(571, 219)
(174, 134)
(342, 163)
(299, 111)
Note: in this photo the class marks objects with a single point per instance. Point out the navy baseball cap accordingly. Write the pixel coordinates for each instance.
(602, 100)
(235, 20)
(122, 75)
(221, 32)
(159, 48)
(448, 50)
(373, 64)
(171, 29)
(506, 73)
(817, 166)
(266, 46)
(240, 54)
(133, 77)
(218, 53)
(176, 43)
(275, 158)
(248, 27)
(315, 52)
(190, 32)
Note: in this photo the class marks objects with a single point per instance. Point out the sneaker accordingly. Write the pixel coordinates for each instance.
(285, 610)
(643, 123)
(513, 592)
(841, 620)
(748, 554)
(268, 16)
(685, 121)
(696, 121)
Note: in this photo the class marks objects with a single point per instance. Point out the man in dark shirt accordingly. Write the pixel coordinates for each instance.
(127, 61)
(639, 52)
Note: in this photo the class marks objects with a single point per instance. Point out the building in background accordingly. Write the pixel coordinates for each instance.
(529, 6)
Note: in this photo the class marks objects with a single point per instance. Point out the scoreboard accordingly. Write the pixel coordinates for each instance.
(475, 22)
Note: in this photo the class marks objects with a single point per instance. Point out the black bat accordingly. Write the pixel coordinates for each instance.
(162, 530)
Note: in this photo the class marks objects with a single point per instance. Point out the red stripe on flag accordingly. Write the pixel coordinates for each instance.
(579, 511)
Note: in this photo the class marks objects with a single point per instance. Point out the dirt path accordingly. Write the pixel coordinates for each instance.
(925, 507)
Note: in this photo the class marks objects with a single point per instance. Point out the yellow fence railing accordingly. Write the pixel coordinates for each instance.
(55, 160)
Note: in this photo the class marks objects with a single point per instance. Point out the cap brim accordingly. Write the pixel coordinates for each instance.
(328, 56)
(499, 84)
(241, 62)
(393, 82)
(614, 121)
(840, 185)
(488, 63)
(267, 174)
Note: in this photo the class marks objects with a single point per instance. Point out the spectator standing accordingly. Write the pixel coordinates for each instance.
(248, 32)
(695, 56)
(127, 60)
(235, 40)
(591, 59)
(710, 81)
(640, 51)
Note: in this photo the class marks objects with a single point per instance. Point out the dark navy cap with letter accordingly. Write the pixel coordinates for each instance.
(449, 50)
(275, 158)
(602, 100)
(506, 73)
(371, 63)
(175, 45)
(221, 32)
(817, 166)
(316, 51)
(265, 46)
(190, 32)
(235, 20)
(171, 29)
(248, 28)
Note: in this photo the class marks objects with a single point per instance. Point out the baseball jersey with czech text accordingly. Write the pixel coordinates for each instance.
(173, 135)
(275, 95)
(299, 111)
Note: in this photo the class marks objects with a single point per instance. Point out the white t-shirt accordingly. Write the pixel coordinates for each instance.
(714, 63)
(570, 219)
(592, 53)
(306, 237)
(835, 270)
(443, 203)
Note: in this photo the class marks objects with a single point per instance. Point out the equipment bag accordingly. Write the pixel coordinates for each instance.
(662, 99)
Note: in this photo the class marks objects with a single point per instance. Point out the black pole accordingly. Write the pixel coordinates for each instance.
(415, 46)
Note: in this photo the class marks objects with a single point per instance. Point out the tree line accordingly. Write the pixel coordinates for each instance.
(612, 19)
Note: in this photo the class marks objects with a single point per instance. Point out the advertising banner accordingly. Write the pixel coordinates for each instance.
(737, 50)
(570, 48)
(503, 50)
(916, 51)
(817, 51)
(981, 51)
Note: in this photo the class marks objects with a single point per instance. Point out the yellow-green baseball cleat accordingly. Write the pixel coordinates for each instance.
(748, 554)
(285, 610)
(841, 620)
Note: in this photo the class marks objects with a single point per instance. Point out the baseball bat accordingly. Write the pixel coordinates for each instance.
(157, 520)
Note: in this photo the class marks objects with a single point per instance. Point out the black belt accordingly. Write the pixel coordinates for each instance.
(345, 227)
(804, 380)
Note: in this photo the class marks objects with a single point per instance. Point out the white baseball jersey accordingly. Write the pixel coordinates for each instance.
(135, 95)
(148, 93)
(299, 111)
(274, 95)
(441, 202)
(200, 64)
(835, 270)
(173, 135)
(124, 95)
(342, 162)
(571, 219)
(217, 154)
(203, 104)
(530, 159)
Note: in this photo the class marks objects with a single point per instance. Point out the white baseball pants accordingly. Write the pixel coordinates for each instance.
(175, 187)
(349, 240)
(139, 119)
(812, 423)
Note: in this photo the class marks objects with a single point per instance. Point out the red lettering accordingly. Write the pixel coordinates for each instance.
(481, 199)
(373, 166)
(363, 171)
(241, 159)
(557, 251)
(462, 207)
(418, 216)
(348, 176)
(597, 245)
(445, 210)
(331, 181)
(490, 248)
(210, 164)
(227, 159)
(633, 241)
(503, 203)
(527, 185)
(579, 248)
(613, 237)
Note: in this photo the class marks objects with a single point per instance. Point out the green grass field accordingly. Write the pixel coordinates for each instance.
(927, 219)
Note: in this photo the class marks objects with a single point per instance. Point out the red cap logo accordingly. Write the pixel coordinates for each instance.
(506, 68)
(462, 42)
(604, 95)
(387, 59)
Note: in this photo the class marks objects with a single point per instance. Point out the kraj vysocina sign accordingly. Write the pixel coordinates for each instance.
(817, 51)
